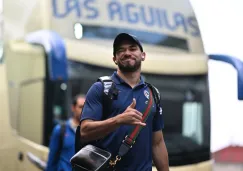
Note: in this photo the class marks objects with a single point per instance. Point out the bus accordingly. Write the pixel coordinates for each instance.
(67, 45)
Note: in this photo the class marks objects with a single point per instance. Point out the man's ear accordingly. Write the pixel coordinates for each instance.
(114, 59)
(143, 56)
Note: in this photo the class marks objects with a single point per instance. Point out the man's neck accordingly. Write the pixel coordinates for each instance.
(131, 78)
(75, 121)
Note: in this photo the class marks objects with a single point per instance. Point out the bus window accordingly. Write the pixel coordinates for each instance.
(60, 93)
(150, 38)
(192, 121)
(82, 76)
(59, 108)
(56, 106)
(185, 113)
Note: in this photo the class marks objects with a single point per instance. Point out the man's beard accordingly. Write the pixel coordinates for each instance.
(129, 68)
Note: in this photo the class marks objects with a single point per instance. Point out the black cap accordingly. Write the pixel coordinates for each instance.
(125, 36)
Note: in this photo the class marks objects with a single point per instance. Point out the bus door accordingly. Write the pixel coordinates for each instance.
(43, 100)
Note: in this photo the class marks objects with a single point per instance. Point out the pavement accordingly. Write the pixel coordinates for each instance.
(224, 167)
(227, 167)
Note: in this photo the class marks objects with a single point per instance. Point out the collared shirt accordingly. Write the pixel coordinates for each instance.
(73, 126)
(139, 158)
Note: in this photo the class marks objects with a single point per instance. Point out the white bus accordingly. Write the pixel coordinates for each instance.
(71, 46)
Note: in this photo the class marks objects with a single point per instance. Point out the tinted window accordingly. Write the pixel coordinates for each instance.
(159, 39)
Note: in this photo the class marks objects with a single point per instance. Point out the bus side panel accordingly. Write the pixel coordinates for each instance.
(31, 111)
(26, 146)
(26, 75)
(8, 151)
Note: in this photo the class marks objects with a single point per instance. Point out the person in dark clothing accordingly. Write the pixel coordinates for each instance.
(58, 159)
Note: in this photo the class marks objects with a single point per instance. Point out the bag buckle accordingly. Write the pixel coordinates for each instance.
(113, 163)
(127, 140)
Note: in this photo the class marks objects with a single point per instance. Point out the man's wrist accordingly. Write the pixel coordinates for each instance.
(116, 120)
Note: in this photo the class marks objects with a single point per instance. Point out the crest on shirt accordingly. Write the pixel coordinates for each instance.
(146, 94)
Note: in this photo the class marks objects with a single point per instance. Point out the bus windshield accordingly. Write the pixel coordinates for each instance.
(185, 109)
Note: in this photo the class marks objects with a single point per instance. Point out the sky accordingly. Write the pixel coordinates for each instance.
(220, 22)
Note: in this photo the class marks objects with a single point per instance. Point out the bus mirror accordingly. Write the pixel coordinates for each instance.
(240, 86)
(237, 64)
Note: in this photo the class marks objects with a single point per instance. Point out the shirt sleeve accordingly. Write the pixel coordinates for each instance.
(158, 122)
(93, 103)
(52, 163)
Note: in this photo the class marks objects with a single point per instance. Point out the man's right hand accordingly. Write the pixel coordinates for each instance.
(130, 116)
(94, 130)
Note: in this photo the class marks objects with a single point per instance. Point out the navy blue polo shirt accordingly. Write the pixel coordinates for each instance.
(139, 158)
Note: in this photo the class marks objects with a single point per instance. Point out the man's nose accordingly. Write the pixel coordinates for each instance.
(127, 52)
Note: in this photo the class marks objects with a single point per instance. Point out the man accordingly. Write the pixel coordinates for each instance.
(59, 157)
(126, 112)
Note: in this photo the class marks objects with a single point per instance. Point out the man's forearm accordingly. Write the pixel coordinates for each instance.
(94, 130)
(160, 157)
